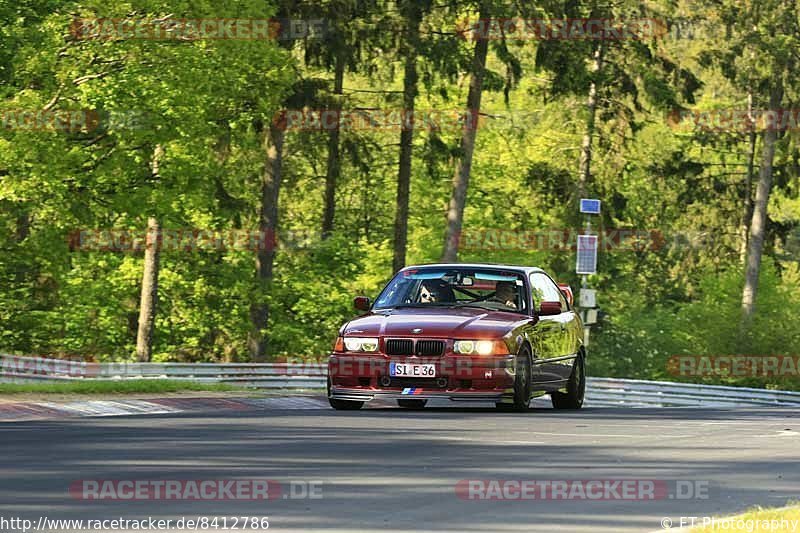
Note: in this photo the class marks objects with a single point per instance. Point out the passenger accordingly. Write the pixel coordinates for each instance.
(506, 294)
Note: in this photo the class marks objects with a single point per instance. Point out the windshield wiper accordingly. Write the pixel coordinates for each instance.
(470, 304)
(435, 304)
(417, 305)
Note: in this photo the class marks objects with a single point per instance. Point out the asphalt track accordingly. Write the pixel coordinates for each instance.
(395, 470)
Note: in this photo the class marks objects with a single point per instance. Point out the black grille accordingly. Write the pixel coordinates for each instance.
(430, 348)
(421, 347)
(399, 347)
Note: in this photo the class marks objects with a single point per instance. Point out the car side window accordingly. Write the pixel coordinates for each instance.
(544, 290)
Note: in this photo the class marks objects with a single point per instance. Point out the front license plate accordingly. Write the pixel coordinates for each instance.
(409, 370)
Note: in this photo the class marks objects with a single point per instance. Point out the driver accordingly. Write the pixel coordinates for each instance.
(436, 291)
(506, 294)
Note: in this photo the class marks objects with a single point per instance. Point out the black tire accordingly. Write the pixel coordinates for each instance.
(412, 404)
(342, 405)
(522, 384)
(576, 388)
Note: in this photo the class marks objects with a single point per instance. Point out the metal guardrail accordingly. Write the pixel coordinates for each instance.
(640, 393)
(600, 391)
(17, 369)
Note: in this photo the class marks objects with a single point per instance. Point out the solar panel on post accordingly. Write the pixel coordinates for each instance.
(590, 206)
(586, 262)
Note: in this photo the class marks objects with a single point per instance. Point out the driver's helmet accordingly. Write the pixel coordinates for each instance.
(440, 290)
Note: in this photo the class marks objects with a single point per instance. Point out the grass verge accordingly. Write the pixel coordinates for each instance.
(782, 520)
(128, 386)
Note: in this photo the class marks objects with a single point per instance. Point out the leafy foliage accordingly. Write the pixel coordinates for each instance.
(206, 101)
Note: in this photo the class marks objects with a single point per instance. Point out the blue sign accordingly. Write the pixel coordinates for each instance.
(590, 206)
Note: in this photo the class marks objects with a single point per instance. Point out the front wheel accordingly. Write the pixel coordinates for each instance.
(342, 405)
(576, 388)
(522, 384)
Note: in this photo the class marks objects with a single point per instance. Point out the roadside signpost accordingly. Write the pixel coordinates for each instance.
(590, 317)
(586, 264)
(587, 298)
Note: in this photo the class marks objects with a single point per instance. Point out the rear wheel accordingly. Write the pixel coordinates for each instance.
(342, 405)
(412, 404)
(576, 388)
(522, 384)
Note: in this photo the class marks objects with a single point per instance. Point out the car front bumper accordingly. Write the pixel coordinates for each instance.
(458, 378)
(416, 393)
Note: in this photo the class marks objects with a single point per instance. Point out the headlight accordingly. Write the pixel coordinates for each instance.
(480, 347)
(361, 344)
(464, 346)
(484, 347)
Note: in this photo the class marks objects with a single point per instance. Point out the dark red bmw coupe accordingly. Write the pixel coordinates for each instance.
(462, 332)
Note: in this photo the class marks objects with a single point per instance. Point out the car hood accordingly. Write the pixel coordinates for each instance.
(463, 323)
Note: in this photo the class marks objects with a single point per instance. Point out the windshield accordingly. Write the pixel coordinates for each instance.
(491, 289)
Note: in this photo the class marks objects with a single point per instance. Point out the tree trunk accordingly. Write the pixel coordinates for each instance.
(413, 19)
(759, 222)
(149, 296)
(458, 198)
(23, 225)
(334, 162)
(268, 224)
(22, 232)
(584, 173)
(747, 203)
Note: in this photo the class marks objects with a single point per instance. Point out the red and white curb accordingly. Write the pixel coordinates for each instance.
(104, 408)
(38, 410)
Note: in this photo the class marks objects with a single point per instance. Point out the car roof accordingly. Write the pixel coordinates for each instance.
(520, 268)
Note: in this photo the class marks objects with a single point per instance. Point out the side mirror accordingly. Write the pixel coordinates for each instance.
(362, 303)
(566, 290)
(550, 308)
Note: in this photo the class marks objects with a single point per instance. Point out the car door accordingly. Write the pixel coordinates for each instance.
(555, 332)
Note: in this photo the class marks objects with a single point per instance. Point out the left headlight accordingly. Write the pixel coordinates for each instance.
(361, 344)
